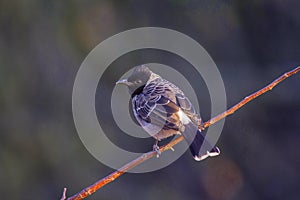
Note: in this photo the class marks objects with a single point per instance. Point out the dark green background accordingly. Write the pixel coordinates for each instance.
(42, 44)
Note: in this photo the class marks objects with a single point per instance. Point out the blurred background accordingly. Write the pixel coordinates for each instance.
(42, 44)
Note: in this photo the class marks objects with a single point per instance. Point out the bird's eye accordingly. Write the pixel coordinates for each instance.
(138, 81)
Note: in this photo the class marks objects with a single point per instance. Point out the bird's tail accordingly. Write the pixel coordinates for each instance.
(199, 147)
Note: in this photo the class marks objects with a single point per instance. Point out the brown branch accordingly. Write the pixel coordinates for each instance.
(251, 97)
(111, 177)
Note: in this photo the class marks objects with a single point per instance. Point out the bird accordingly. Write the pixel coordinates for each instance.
(163, 110)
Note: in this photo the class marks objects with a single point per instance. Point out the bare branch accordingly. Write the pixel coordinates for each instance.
(113, 176)
(251, 97)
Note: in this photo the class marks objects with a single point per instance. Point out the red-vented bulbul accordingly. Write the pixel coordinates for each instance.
(163, 110)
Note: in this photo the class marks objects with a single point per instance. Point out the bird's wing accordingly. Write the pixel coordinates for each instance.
(159, 111)
(154, 106)
(184, 103)
(178, 97)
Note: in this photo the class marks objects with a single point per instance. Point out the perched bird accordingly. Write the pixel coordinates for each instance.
(163, 110)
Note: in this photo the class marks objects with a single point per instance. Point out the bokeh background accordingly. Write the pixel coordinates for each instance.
(42, 44)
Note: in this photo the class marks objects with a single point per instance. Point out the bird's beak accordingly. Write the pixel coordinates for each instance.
(124, 81)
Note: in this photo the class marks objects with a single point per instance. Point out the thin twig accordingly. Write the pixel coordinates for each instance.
(251, 97)
(111, 177)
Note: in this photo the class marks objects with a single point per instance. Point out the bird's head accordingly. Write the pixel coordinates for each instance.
(138, 79)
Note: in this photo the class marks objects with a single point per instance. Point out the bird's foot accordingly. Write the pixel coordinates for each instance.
(156, 149)
(201, 126)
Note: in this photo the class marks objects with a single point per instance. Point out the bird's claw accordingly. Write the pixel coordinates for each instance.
(156, 149)
(201, 127)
